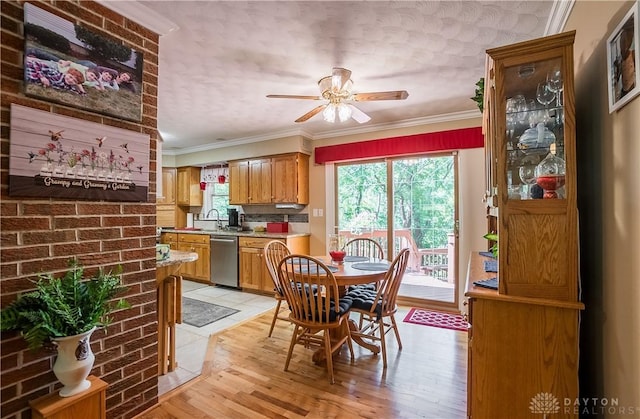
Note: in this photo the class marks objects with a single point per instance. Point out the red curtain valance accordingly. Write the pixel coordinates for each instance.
(409, 144)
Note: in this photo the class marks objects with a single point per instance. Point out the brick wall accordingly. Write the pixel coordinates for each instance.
(40, 235)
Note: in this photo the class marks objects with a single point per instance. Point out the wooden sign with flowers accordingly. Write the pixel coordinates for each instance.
(58, 156)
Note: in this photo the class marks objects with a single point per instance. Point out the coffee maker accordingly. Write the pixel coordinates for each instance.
(233, 217)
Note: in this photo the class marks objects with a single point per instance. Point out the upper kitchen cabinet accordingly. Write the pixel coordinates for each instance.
(290, 179)
(239, 182)
(168, 186)
(260, 179)
(188, 188)
(166, 204)
(282, 179)
(529, 125)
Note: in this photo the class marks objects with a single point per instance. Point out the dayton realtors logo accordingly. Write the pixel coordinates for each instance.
(544, 404)
(547, 404)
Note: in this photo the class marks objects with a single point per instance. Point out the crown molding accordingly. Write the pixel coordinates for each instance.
(560, 11)
(141, 14)
(455, 116)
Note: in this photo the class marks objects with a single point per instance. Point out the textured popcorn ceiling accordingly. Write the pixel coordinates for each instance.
(226, 56)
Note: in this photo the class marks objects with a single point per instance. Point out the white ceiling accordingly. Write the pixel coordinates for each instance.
(216, 68)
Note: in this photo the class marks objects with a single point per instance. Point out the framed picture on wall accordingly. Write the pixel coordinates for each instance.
(74, 65)
(623, 61)
(52, 155)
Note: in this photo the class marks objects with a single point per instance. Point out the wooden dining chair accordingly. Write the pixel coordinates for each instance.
(364, 246)
(378, 307)
(274, 252)
(316, 307)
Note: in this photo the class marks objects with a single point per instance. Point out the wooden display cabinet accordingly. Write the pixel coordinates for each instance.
(538, 237)
(524, 336)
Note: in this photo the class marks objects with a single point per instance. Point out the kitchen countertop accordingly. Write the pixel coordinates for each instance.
(247, 233)
(175, 257)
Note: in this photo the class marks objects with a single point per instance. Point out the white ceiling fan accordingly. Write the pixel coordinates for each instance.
(336, 89)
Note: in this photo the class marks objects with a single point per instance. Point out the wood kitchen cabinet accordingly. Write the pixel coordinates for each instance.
(523, 337)
(199, 270)
(290, 179)
(188, 187)
(270, 180)
(254, 274)
(260, 181)
(238, 182)
(166, 204)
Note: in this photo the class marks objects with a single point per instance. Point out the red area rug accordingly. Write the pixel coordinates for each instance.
(436, 319)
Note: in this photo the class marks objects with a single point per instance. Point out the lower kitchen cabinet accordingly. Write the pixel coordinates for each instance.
(254, 275)
(198, 270)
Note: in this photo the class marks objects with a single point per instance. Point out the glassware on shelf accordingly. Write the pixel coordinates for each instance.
(527, 174)
(554, 78)
(550, 174)
(536, 140)
(544, 94)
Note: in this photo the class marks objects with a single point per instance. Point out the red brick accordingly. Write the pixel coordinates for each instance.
(139, 209)
(94, 209)
(76, 248)
(46, 208)
(99, 234)
(25, 223)
(55, 266)
(139, 231)
(121, 221)
(8, 239)
(48, 236)
(76, 222)
(19, 253)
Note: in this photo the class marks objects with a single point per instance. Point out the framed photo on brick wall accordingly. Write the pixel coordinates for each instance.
(57, 156)
(74, 65)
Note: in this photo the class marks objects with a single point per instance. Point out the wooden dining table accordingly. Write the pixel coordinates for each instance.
(346, 274)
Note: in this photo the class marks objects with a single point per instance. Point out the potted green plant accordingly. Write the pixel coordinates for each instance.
(479, 96)
(65, 311)
(493, 241)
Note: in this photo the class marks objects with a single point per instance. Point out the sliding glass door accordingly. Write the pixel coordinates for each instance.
(406, 202)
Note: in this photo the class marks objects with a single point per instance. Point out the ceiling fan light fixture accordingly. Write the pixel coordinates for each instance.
(344, 112)
(329, 113)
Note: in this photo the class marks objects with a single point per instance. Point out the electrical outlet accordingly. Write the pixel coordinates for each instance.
(286, 218)
(320, 212)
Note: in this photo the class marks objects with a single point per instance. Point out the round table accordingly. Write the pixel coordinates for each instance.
(347, 275)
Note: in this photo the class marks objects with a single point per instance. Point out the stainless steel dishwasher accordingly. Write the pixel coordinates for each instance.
(224, 260)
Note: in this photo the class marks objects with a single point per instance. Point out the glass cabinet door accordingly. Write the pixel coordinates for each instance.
(534, 111)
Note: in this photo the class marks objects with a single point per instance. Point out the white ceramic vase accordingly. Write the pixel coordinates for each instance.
(74, 363)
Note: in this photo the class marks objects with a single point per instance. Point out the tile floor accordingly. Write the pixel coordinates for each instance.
(191, 341)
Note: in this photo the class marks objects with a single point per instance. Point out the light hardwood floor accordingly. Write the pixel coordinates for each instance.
(243, 377)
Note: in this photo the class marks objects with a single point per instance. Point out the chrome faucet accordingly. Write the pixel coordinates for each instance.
(219, 224)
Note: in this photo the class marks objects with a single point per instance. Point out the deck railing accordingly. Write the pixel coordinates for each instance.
(437, 263)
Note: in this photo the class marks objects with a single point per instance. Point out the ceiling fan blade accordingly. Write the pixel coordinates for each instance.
(294, 97)
(311, 113)
(358, 115)
(394, 95)
(339, 77)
